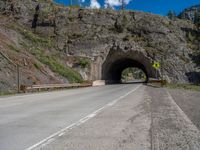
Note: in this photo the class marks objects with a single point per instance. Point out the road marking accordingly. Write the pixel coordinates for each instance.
(61, 134)
(52, 137)
(190, 123)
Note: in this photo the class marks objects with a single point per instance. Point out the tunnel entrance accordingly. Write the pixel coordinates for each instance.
(113, 72)
(119, 59)
(133, 75)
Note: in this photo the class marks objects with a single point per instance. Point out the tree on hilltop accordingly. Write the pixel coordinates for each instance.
(171, 15)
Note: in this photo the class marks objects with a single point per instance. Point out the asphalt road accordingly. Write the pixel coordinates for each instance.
(145, 119)
(113, 117)
(26, 120)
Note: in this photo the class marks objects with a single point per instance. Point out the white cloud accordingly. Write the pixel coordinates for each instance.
(94, 4)
(113, 3)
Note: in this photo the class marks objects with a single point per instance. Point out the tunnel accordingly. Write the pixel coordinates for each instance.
(116, 62)
(114, 72)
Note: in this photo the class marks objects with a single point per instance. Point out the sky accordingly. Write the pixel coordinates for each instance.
(161, 7)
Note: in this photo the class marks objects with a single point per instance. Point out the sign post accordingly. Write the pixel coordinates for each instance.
(156, 65)
(18, 79)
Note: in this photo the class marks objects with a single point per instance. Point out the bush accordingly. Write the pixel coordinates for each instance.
(38, 65)
(83, 62)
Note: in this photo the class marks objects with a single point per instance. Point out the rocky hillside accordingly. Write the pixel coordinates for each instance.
(57, 44)
(36, 53)
(189, 13)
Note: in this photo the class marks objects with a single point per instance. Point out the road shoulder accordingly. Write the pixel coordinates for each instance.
(171, 128)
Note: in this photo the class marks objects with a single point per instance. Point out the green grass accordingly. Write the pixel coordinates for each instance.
(36, 46)
(32, 37)
(56, 66)
(36, 39)
(38, 66)
(7, 93)
(184, 86)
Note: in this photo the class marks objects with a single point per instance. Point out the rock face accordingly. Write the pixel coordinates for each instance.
(106, 41)
(189, 13)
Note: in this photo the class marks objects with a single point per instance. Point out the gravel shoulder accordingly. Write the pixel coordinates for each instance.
(171, 128)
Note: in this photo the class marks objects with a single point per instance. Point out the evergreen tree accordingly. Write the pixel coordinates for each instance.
(123, 4)
(197, 23)
(171, 15)
(35, 17)
(75, 2)
(197, 20)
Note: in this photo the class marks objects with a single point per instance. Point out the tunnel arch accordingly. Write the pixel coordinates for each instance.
(117, 61)
(114, 72)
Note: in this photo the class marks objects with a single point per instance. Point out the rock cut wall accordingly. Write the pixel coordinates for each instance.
(93, 33)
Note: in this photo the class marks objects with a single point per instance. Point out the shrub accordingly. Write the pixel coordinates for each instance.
(38, 65)
(83, 62)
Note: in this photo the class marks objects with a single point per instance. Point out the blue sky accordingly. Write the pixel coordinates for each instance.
(154, 6)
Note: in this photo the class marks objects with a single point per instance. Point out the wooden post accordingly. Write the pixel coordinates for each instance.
(162, 72)
(156, 74)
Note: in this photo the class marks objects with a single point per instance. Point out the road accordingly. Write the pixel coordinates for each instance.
(28, 119)
(113, 117)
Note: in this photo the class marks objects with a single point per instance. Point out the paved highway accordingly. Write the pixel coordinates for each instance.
(27, 120)
(113, 117)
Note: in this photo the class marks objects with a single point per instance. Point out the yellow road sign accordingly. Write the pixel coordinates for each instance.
(156, 65)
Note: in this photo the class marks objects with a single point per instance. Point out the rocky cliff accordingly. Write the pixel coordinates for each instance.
(71, 44)
(189, 13)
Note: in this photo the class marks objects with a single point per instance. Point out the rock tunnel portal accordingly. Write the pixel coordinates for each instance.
(113, 74)
(115, 63)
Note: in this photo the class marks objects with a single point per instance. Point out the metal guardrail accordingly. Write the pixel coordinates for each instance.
(157, 81)
(52, 86)
(161, 82)
(24, 88)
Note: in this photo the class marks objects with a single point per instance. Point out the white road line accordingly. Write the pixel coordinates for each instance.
(61, 134)
(190, 123)
(52, 137)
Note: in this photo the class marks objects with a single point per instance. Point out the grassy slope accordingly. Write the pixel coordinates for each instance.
(38, 47)
(184, 86)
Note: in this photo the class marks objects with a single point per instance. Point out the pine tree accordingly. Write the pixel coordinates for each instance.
(35, 17)
(123, 4)
(197, 23)
(197, 20)
(171, 15)
(74, 3)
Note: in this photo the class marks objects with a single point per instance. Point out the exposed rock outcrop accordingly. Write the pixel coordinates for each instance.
(68, 34)
(189, 13)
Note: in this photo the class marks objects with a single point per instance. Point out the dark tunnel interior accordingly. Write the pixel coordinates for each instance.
(112, 73)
